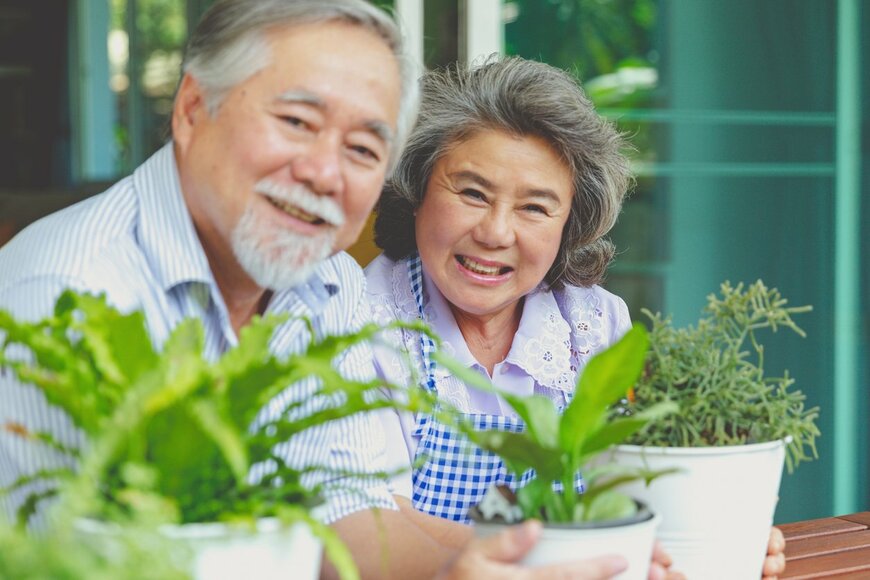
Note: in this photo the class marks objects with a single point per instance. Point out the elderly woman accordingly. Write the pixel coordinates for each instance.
(493, 232)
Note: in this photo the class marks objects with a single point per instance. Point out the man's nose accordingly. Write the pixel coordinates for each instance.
(319, 166)
(495, 229)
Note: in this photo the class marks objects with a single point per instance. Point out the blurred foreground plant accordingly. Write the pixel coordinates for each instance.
(169, 431)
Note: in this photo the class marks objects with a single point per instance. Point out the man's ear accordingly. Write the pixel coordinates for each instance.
(188, 110)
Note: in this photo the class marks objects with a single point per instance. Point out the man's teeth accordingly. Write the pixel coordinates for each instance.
(296, 212)
(479, 268)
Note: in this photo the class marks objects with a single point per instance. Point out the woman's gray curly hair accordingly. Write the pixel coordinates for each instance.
(519, 97)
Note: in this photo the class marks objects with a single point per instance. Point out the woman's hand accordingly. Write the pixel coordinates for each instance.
(660, 569)
(496, 557)
(774, 563)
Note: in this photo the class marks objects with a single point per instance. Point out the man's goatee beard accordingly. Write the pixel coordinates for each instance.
(276, 258)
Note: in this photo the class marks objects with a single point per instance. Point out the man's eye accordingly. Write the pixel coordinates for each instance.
(295, 122)
(365, 152)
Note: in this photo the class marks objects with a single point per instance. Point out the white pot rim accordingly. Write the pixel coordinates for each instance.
(191, 531)
(206, 530)
(643, 515)
(691, 451)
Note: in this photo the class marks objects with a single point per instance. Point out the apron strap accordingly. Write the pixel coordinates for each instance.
(427, 345)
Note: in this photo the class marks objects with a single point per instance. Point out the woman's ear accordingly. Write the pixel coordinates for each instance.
(187, 111)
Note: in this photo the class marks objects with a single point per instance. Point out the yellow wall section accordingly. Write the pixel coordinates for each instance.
(365, 250)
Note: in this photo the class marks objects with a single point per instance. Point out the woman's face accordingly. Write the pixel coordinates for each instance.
(491, 220)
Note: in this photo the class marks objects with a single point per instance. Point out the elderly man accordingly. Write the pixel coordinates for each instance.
(289, 115)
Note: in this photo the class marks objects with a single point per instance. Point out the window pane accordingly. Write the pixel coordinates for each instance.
(146, 43)
(734, 124)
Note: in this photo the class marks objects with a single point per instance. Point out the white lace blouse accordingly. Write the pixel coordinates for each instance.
(558, 332)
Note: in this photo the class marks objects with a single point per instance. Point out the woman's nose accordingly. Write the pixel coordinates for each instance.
(495, 229)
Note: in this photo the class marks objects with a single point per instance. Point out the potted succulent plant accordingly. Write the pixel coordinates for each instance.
(734, 429)
(602, 520)
(169, 432)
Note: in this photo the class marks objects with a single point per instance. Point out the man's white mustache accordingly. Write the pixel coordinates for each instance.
(303, 198)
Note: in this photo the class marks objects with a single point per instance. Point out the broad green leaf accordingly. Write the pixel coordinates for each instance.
(540, 416)
(533, 496)
(602, 479)
(609, 505)
(520, 453)
(618, 430)
(607, 377)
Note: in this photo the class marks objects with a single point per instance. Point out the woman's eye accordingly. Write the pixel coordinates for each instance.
(536, 209)
(473, 194)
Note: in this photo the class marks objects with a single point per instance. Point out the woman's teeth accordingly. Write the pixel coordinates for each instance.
(479, 268)
(294, 211)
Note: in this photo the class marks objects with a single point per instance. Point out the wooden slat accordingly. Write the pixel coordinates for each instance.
(855, 562)
(820, 545)
(820, 527)
(859, 518)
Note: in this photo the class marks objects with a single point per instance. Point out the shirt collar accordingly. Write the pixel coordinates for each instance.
(542, 328)
(543, 333)
(440, 318)
(166, 230)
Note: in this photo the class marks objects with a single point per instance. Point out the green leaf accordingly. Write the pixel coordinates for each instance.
(606, 378)
(520, 452)
(119, 343)
(540, 416)
(24, 480)
(619, 430)
(609, 505)
(470, 377)
(533, 497)
(222, 431)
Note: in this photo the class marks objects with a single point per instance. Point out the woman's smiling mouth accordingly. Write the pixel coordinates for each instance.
(482, 269)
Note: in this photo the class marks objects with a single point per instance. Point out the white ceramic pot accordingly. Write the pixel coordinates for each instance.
(632, 539)
(222, 552)
(718, 510)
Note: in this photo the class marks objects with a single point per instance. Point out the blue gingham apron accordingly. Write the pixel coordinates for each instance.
(451, 474)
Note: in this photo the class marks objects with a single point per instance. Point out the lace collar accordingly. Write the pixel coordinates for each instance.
(541, 346)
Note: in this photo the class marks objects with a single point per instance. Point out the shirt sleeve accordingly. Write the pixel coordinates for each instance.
(397, 458)
(358, 443)
(392, 365)
(623, 319)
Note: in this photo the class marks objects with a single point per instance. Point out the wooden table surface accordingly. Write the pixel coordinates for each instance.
(828, 547)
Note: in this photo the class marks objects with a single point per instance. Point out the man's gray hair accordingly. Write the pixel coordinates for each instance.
(524, 98)
(229, 45)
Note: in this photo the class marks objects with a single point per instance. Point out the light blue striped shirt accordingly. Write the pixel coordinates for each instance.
(137, 244)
